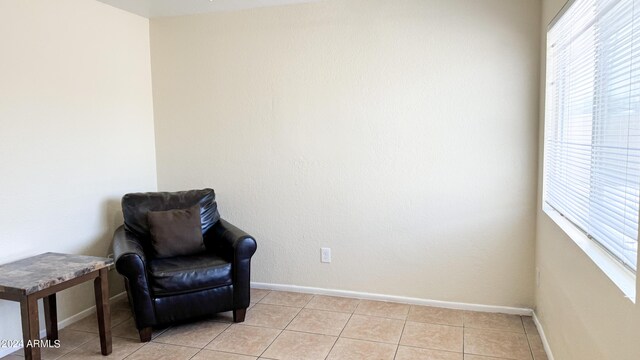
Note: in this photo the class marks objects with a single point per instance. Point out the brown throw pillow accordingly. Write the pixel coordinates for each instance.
(176, 232)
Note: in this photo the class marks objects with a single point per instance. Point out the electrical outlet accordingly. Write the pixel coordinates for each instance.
(325, 255)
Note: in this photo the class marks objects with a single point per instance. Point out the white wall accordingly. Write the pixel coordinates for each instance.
(584, 315)
(402, 134)
(76, 132)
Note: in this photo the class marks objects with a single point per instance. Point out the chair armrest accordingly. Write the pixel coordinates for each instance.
(131, 262)
(237, 247)
(128, 253)
(233, 243)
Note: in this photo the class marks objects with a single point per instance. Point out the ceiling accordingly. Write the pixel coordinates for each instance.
(159, 8)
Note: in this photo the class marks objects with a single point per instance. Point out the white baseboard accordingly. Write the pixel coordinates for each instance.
(394, 298)
(545, 342)
(83, 314)
(66, 322)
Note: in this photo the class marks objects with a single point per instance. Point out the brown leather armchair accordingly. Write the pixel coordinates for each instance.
(168, 290)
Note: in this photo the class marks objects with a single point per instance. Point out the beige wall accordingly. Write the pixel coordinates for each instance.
(402, 134)
(76, 132)
(585, 316)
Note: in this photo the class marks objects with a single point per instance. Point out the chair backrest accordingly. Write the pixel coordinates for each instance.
(135, 207)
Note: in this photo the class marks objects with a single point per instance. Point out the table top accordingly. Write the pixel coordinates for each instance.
(39, 272)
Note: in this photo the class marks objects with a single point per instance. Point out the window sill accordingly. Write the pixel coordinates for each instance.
(624, 278)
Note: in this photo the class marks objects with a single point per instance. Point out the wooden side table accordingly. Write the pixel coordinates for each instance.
(42, 276)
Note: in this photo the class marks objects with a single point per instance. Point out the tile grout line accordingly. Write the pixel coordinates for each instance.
(197, 352)
(202, 348)
(240, 324)
(431, 348)
(263, 296)
(161, 343)
(341, 331)
(355, 312)
(135, 351)
(215, 337)
(282, 331)
(463, 332)
(294, 306)
(404, 325)
(527, 337)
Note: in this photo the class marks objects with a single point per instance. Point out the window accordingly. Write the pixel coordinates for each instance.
(592, 125)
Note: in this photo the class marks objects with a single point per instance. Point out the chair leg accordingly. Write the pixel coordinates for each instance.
(238, 315)
(145, 334)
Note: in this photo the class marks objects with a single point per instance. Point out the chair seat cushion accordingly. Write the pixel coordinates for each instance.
(183, 274)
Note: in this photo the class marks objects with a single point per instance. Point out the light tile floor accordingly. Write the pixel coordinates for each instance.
(293, 326)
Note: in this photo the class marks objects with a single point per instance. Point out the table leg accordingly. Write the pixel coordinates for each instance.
(30, 327)
(51, 317)
(101, 287)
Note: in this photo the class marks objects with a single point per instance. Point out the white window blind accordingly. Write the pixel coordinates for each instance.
(592, 126)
